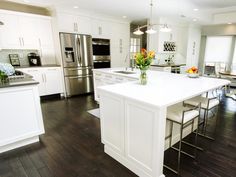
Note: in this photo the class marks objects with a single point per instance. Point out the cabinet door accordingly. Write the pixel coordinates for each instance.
(45, 35)
(10, 35)
(53, 81)
(67, 23)
(101, 29)
(29, 28)
(37, 75)
(84, 25)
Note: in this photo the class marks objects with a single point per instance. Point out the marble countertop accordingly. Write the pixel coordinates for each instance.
(18, 82)
(27, 66)
(164, 89)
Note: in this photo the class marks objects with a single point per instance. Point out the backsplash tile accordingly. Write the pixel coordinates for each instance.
(4, 55)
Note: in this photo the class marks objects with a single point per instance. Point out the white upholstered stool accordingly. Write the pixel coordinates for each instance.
(207, 104)
(185, 117)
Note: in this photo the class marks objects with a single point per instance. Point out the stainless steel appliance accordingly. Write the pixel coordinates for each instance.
(101, 53)
(77, 60)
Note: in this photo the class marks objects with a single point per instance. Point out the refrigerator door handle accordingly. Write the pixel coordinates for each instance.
(76, 77)
(79, 51)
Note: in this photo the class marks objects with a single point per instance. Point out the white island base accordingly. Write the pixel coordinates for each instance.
(133, 118)
(21, 116)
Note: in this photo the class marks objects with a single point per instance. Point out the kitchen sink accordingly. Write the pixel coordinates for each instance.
(125, 72)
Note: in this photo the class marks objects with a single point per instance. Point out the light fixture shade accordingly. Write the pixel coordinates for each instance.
(165, 29)
(138, 32)
(151, 31)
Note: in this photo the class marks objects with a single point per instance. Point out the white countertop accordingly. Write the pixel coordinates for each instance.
(163, 89)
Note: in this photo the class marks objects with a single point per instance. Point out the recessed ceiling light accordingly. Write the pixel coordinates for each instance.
(26, 1)
(76, 7)
(194, 19)
(124, 16)
(195, 9)
(229, 23)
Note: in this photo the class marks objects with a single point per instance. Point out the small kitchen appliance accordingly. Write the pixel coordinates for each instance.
(34, 59)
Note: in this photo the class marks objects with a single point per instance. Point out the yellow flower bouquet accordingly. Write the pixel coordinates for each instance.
(143, 61)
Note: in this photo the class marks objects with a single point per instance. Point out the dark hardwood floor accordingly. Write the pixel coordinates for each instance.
(71, 146)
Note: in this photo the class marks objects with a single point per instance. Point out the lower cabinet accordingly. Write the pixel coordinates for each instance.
(49, 78)
(101, 79)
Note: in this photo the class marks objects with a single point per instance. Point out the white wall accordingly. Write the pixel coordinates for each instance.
(193, 48)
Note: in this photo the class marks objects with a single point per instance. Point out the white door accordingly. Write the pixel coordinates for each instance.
(29, 28)
(53, 81)
(10, 34)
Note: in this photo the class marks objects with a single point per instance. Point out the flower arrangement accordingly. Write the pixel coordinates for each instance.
(144, 59)
(6, 70)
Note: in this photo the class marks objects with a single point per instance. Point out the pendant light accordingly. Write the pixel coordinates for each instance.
(150, 25)
(150, 29)
(138, 32)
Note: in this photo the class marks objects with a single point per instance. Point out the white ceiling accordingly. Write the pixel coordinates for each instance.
(140, 9)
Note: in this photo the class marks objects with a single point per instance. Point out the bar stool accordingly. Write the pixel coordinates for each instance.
(184, 116)
(207, 104)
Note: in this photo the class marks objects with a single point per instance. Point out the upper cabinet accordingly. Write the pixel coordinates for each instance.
(74, 23)
(24, 31)
(10, 34)
(101, 29)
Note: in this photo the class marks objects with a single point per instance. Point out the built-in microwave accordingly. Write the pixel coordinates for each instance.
(101, 53)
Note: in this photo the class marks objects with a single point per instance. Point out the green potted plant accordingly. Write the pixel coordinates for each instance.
(3, 77)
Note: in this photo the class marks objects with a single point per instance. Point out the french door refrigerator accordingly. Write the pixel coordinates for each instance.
(77, 58)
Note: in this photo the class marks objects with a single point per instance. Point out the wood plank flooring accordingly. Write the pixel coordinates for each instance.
(72, 146)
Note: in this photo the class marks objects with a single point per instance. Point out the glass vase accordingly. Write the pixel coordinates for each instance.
(143, 76)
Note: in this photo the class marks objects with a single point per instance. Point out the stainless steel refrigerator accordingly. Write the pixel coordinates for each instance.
(77, 60)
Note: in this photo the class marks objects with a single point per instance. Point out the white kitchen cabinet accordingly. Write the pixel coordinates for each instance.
(23, 31)
(28, 28)
(49, 78)
(101, 79)
(10, 34)
(101, 29)
(120, 45)
(45, 39)
(74, 23)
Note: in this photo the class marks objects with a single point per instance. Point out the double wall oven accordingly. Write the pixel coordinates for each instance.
(101, 53)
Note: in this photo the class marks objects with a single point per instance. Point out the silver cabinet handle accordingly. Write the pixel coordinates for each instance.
(20, 41)
(45, 77)
(23, 42)
(42, 77)
(40, 42)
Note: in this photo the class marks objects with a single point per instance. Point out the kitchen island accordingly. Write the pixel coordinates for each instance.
(133, 117)
(21, 120)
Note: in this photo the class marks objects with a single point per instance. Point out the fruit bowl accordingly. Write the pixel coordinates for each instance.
(193, 75)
